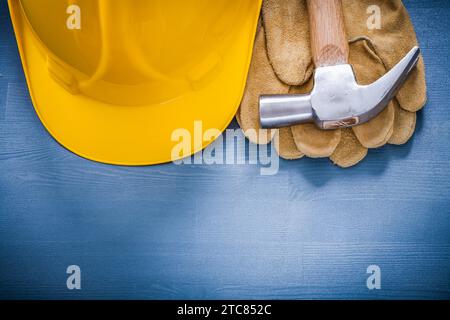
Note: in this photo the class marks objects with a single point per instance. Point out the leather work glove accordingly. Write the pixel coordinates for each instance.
(282, 63)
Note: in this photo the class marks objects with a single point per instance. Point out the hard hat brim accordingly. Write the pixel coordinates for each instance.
(132, 135)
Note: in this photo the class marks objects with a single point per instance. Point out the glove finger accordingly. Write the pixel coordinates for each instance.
(404, 125)
(368, 68)
(286, 28)
(285, 145)
(310, 140)
(349, 151)
(392, 40)
(377, 132)
(413, 95)
(315, 143)
(261, 79)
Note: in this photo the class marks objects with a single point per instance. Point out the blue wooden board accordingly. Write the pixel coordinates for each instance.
(208, 232)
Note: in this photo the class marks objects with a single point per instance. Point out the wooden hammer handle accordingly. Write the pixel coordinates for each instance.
(328, 36)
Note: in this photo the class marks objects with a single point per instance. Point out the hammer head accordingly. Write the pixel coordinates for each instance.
(337, 100)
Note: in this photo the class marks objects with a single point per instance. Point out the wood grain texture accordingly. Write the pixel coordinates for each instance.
(328, 37)
(226, 232)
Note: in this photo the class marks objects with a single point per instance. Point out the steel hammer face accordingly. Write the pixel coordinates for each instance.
(337, 100)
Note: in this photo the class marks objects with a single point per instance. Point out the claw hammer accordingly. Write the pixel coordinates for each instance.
(337, 100)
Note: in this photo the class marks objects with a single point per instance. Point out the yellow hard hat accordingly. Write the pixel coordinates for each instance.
(112, 80)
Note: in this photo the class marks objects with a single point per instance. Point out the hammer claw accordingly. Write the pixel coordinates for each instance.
(382, 91)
